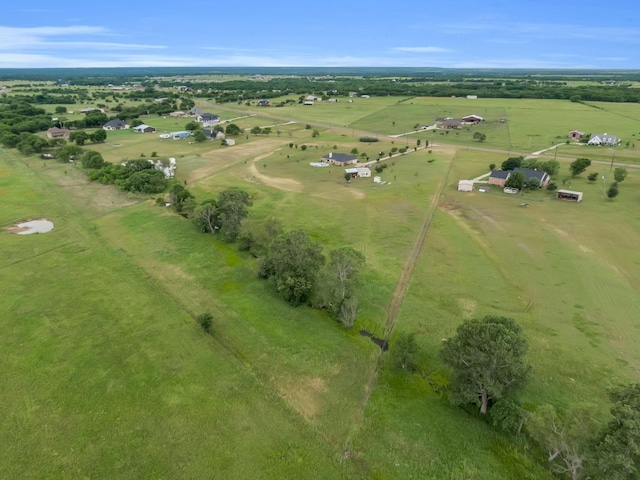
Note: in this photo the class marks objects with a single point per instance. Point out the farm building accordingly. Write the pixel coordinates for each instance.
(358, 172)
(264, 103)
(179, 113)
(465, 186)
(576, 134)
(55, 132)
(194, 112)
(144, 129)
(472, 97)
(569, 195)
(472, 119)
(449, 123)
(89, 109)
(603, 139)
(339, 158)
(115, 124)
(229, 142)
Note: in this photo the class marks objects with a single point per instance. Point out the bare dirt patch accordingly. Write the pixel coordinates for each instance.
(287, 184)
(219, 160)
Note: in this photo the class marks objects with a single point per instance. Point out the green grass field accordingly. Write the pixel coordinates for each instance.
(106, 374)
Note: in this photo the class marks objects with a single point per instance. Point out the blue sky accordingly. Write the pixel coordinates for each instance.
(401, 33)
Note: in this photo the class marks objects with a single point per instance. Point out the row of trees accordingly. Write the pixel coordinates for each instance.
(292, 261)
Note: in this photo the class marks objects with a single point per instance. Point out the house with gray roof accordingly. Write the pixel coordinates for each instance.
(339, 158)
(603, 139)
(115, 124)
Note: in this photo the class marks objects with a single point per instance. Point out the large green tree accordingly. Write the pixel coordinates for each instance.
(487, 360)
(232, 207)
(619, 174)
(578, 166)
(293, 262)
(516, 180)
(616, 454)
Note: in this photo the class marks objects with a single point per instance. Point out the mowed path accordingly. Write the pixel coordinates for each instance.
(395, 302)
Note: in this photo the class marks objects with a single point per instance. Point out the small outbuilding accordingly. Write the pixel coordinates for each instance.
(144, 129)
(569, 195)
(576, 134)
(465, 186)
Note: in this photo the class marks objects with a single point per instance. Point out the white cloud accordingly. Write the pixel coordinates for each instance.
(422, 49)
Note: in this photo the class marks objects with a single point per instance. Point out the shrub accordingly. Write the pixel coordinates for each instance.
(205, 320)
(368, 139)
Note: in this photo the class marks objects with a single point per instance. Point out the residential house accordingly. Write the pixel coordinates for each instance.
(55, 132)
(500, 177)
(340, 158)
(575, 134)
(603, 139)
(115, 124)
(144, 129)
(208, 119)
(542, 176)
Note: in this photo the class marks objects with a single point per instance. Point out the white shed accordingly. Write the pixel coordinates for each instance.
(569, 195)
(465, 186)
(364, 172)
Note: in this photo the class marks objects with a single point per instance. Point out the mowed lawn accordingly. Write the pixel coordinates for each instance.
(105, 374)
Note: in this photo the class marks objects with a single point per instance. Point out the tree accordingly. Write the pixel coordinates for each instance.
(348, 312)
(578, 166)
(480, 137)
(552, 167)
(403, 352)
(266, 131)
(512, 163)
(565, 439)
(206, 216)
(592, 177)
(552, 186)
(487, 359)
(616, 452)
(180, 198)
(60, 109)
(293, 262)
(613, 191)
(515, 180)
(68, 152)
(575, 98)
(205, 320)
(92, 159)
(492, 166)
(79, 137)
(199, 136)
(347, 176)
(337, 283)
(315, 134)
(256, 131)
(232, 208)
(192, 126)
(532, 182)
(233, 130)
(98, 136)
(255, 237)
(620, 174)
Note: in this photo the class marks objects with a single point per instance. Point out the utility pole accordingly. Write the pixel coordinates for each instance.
(556, 154)
(612, 159)
(602, 186)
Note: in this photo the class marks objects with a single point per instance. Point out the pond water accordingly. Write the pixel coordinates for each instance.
(33, 226)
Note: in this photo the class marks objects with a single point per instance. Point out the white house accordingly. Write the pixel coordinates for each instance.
(603, 139)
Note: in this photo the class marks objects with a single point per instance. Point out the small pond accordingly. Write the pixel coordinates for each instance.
(40, 225)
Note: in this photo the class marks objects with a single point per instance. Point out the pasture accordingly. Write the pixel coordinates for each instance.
(103, 352)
